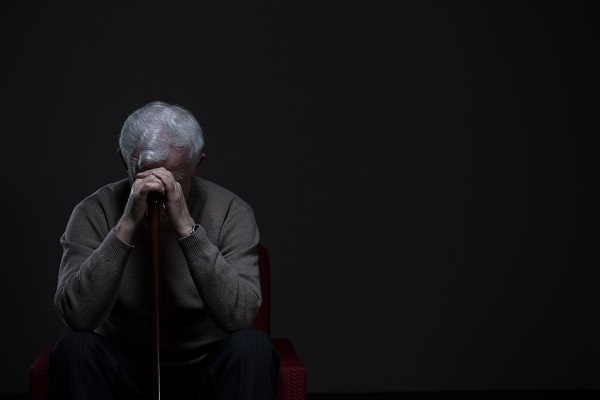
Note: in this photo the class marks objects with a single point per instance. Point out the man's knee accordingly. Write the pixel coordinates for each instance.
(74, 344)
(255, 346)
(250, 340)
(88, 365)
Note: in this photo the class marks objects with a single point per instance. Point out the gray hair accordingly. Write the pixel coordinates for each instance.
(151, 131)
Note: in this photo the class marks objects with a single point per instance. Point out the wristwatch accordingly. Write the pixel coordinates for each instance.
(194, 229)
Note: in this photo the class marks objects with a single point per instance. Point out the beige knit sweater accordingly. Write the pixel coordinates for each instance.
(210, 280)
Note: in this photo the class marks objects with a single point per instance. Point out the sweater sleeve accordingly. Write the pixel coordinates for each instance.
(91, 270)
(227, 276)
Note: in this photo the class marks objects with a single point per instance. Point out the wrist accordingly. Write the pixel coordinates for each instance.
(125, 231)
(190, 230)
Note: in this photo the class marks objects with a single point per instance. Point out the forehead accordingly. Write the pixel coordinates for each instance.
(176, 162)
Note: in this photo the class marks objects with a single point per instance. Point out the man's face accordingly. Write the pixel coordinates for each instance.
(176, 163)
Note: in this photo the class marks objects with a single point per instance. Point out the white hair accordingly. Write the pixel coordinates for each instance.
(150, 132)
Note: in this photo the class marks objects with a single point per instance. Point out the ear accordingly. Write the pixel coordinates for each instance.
(200, 161)
(123, 159)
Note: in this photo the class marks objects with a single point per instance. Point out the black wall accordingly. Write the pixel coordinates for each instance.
(424, 173)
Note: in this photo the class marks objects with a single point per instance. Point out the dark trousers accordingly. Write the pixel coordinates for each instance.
(88, 366)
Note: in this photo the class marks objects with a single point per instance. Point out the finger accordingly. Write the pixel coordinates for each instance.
(163, 175)
(150, 188)
(167, 179)
(150, 184)
(143, 174)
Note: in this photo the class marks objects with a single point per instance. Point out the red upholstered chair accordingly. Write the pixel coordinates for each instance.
(291, 383)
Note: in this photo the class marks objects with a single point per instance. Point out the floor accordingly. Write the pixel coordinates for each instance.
(546, 395)
(534, 395)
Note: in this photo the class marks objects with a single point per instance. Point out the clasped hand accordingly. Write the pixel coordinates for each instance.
(162, 181)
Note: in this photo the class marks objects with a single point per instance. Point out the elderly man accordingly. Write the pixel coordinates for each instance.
(210, 280)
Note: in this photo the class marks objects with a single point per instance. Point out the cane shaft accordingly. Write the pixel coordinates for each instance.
(154, 221)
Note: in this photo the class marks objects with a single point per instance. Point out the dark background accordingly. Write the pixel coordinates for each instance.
(424, 173)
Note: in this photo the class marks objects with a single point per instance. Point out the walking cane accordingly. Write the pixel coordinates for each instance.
(154, 202)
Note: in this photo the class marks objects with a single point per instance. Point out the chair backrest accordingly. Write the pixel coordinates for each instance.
(262, 320)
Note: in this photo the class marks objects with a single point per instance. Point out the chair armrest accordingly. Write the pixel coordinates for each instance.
(291, 384)
(40, 383)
